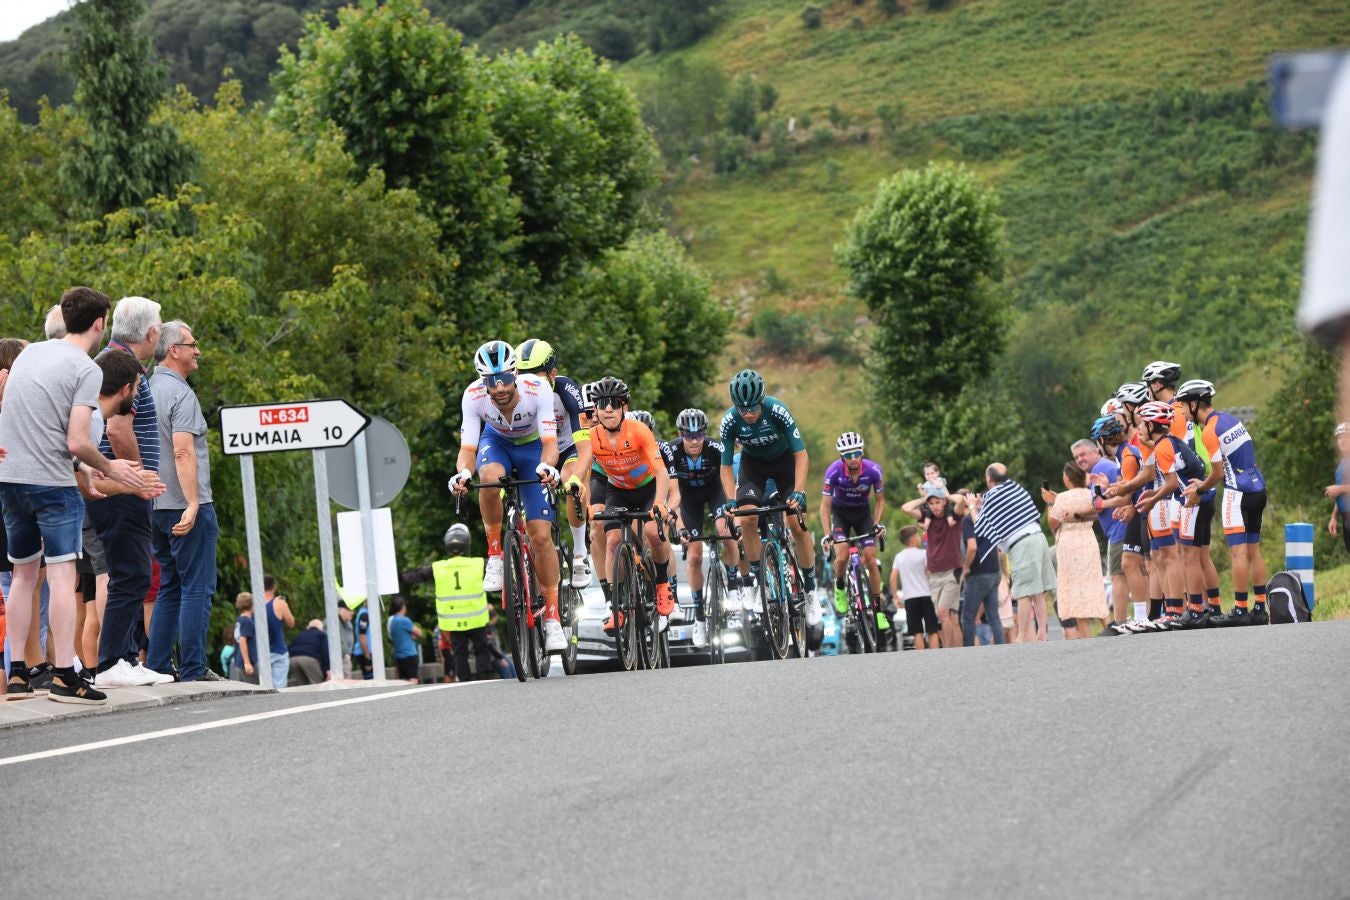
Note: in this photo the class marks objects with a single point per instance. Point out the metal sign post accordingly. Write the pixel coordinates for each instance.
(368, 544)
(255, 573)
(330, 598)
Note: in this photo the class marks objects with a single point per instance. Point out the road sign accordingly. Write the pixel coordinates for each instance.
(388, 462)
(302, 425)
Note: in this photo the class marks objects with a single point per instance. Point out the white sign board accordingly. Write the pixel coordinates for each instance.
(303, 425)
(353, 552)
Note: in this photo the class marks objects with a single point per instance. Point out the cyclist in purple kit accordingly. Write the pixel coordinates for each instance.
(844, 507)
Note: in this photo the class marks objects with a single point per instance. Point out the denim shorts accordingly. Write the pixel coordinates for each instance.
(41, 519)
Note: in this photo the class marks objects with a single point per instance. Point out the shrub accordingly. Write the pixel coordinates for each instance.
(730, 151)
(890, 7)
(804, 121)
(837, 117)
(821, 138)
(891, 115)
(768, 97)
(857, 23)
(614, 40)
(812, 17)
(780, 333)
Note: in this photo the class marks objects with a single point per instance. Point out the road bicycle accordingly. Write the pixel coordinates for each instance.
(863, 608)
(639, 634)
(715, 589)
(782, 588)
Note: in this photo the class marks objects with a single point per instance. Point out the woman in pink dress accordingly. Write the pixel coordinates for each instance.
(1081, 595)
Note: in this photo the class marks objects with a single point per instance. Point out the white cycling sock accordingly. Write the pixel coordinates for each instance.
(578, 540)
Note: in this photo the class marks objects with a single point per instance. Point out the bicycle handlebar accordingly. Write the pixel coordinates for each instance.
(878, 533)
(624, 516)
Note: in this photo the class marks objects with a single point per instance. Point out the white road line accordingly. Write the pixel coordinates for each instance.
(223, 723)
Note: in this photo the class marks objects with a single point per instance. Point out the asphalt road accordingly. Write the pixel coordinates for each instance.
(1177, 765)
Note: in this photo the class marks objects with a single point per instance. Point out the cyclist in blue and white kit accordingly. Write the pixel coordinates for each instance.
(521, 438)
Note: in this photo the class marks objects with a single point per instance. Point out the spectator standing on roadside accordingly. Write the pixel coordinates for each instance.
(1080, 596)
(403, 634)
(909, 581)
(1010, 520)
(50, 394)
(980, 577)
(279, 618)
(309, 655)
(244, 663)
(122, 520)
(183, 523)
(361, 659)
(940, 516)
(1088, 457)
(1339, 491)
(347, 636)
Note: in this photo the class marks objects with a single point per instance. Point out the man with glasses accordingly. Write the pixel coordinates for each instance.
(694, 463)
(846, 510)
(521, 438)
(771, 451)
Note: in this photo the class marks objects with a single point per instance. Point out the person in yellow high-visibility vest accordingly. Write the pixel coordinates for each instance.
(461, 602)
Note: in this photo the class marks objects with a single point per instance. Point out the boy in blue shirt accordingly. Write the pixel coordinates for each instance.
(402, 632)
(1340, 491)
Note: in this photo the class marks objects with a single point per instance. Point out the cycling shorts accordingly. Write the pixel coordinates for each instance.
(638, 499)
(599, 489)
(567, 454)
(1134, 536)
(756, 473)
(1160, 525)
(1242, 513)
(694, 507)
(519, 461)
(846, 521)
(1196, 524)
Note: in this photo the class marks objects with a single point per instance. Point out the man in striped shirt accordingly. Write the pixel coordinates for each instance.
(1009, 519)
(122, 519)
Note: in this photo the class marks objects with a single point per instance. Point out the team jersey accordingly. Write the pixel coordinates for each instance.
(628, 459)
(1131, 461)
(844, 491)
(1165, 462)
(696, 473)
(774, 433)
(532, 419)
(567, 412)
(1227, 439)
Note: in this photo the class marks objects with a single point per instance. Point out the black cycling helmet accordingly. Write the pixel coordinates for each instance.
(747, 388)
(457, 538)
(609, 388)
(692, 421)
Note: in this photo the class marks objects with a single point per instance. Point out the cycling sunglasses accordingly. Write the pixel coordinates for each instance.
(852, 454)
(693, 435)
(609, 402)
(499, 379)
(748, 410)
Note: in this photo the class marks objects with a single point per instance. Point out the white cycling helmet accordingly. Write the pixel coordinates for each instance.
(848, 442)
(1195, 389)
(1112, 406)
(1135, 392)
(495, 358)
(1161, 370)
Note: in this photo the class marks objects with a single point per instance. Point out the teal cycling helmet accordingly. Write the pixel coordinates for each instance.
(747, 388)
(1106, 427)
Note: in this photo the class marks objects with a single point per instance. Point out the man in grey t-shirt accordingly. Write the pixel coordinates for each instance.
(183, 525)
(50, 396)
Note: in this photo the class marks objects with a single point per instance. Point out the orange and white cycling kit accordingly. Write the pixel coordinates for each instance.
(1163, 459)
(630, 458)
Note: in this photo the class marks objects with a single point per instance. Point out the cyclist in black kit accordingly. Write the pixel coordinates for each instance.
(693, 460)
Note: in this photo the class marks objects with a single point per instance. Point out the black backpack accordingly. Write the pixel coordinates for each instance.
(1284, 593)
(1191, 467)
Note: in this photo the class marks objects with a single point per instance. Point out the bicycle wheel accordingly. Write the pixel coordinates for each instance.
(569, 610)
(649, 623)
(713, 591)
(867, 617)
(624, 604)
(532, 623)
(797, 600)
(513, 601)
(773, 593)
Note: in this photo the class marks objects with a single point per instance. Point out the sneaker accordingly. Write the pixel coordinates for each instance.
(840, 601)
(40, 676)
(1171, 622)
(1258, 615)
(581, 572)
(19, 688)
(151, 676)
(1113, 629)
(700, 633)
(1136, 626)
(677, 614)
(1192, 619)
(79, 692)
(1238, 616)
(554, 639)
(814, 614)
(608, 627)
(119, 676)
(208, 675)
(492, 575)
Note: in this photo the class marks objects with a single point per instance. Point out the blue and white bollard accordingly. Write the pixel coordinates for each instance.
(1298, 556)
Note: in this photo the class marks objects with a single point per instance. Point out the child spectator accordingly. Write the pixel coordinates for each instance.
(933, 484)
(244, 665)
(402, 632)
(910, 570)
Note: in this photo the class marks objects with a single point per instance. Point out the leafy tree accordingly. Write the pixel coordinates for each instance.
(812, 16)
(125, 158)
(407, 97)
(1294, 431)
(768, 97)
(742, 114)
(922, 256)
(677, 23)
(683, 104)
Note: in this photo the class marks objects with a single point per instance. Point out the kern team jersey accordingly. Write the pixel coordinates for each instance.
(696, 473)
(1227, 439)
(629, 459)
(774, 433)
(531, 420)
(567, 412)
(844, 491)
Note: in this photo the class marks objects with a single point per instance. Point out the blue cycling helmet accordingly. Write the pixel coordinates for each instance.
(747, 388)
(1106, 427)
(494, 358)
